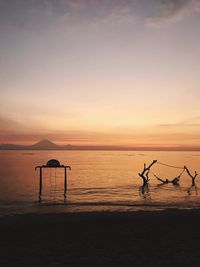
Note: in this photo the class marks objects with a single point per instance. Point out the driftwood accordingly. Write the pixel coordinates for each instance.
(145, 173)
(174, 181)
(192, 176)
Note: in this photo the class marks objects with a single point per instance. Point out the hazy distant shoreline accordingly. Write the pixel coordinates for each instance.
(47, 145)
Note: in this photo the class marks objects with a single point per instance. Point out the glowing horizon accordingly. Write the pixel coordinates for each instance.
(100, 72)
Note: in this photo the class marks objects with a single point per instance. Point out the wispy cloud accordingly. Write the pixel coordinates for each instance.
(148, 12)
(170, 11)
(9, 126)
(188, 123)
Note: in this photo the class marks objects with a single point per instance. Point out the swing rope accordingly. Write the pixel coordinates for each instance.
(172, 166)
(176, 176)
(53, 183)
(154, 175)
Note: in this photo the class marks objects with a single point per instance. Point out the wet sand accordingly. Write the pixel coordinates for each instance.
(161, 238)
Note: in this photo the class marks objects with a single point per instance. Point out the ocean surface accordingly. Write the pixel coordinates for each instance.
(98, 181)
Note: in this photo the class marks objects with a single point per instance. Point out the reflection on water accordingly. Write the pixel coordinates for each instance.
(192, 190)
(144, 191)
(99, 180)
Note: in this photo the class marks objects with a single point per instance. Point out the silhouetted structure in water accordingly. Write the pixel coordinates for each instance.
(145, 173)
(192, 176)
(53, 163)
(174, 181)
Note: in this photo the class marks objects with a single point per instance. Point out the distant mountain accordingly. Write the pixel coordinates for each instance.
(48, 145)
(45, 144)
(41, 145)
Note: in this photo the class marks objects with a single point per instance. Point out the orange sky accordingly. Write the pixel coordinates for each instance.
(119, 73)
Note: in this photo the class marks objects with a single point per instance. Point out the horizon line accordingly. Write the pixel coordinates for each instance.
(35, 146)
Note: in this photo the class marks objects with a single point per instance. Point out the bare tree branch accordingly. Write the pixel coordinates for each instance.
(189, 173)
(145, 173)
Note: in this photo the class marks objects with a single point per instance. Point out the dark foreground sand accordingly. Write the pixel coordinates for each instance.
(168, 238)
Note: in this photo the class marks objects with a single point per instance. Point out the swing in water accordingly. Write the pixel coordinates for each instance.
(175, 180)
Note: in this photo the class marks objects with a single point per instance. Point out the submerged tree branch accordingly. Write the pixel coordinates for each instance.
(192, 176)
(145, 173)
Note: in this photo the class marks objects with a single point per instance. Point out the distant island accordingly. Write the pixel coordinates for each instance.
(49, 145)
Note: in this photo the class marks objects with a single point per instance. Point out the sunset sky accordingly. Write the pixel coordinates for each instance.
(115, 72)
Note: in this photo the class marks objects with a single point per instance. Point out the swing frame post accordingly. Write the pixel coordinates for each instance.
(40, 190)
(40, 181)
(53, 163)
(65, 183)
(65, 180)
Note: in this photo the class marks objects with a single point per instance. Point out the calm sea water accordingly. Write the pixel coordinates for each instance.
(98, 181)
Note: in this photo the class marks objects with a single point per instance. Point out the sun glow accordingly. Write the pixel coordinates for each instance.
(82, 76)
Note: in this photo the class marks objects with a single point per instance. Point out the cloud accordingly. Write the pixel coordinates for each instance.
(186, 124)
(22, 12)
(148, 12)
(170, 11)
(8, 125)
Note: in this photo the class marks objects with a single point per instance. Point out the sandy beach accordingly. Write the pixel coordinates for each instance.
(162, 238)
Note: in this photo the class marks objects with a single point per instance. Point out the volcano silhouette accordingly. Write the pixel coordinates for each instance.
(45, 144)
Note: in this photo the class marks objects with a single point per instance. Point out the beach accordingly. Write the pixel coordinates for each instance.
(144, 238)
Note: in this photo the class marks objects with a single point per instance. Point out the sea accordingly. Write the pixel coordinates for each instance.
(98, 181)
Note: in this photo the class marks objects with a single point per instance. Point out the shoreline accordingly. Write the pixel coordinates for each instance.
(60, 217)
